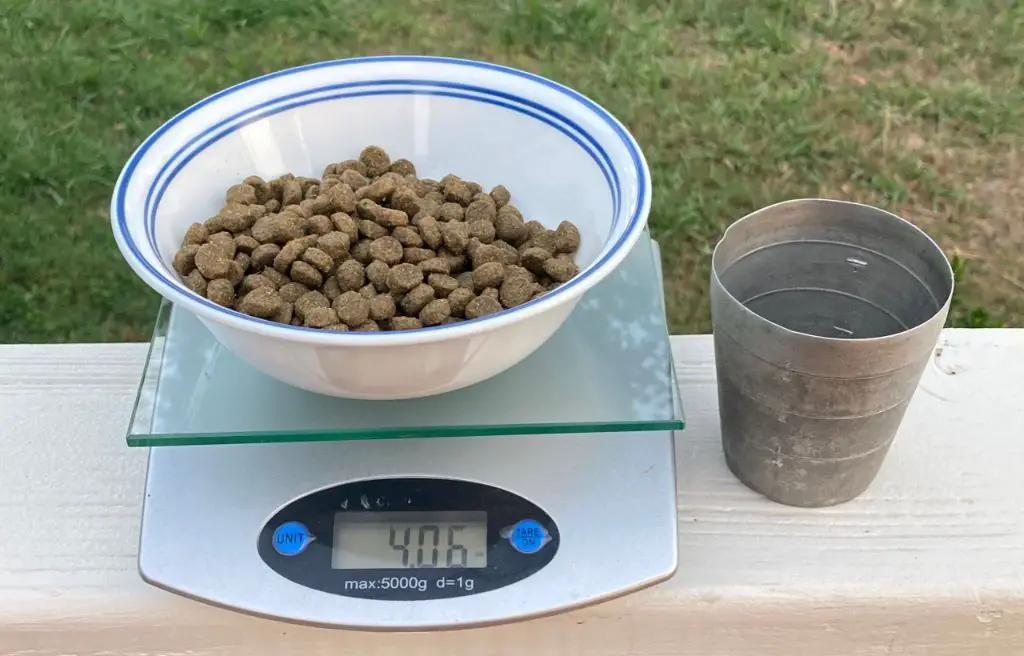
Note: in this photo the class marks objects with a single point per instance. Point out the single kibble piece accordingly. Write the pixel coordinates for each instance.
(331, 289)
(376, 161)
(567, 238)
(225, 241)
(351, 275)
(560, 269)
(345, 223)
(277, 228)
(431, 231)
(377, 274)
(533, 259)
(443, 284)
(489, 274)
(424, 186)
(261, 302)
(378, 190)
(232, 218)
(392, 219)
(482, 230)
(403, 167)
(221, 292)
(289, 253)
(354, 179)
(335, 244)
(307, 274)
(308, 301)
(211, 262)
(456, 236)
(255, 281)
(457, 191)
(405, 323)
(319, 224)
(196, 282)
(371, 229)
(481, 210)
(404, 277)
(545, 240)
(435, 312)
(407, 236)
(240, 193)
(368, 327)
(515, 291)
(406, 200)
(275, 277)
(320, 318)
(417, 298)
(368, 291)
(291, 292)
(353, 310)
(510, 252)
(430, 205)
(291, 193)
(481, 306)
(492, 292)
(342, 198)
(456, 263)
(387, 249)
(516, 271)
(361, 252)
(319, 259)
(510, 228)
(382, 307)
(501, 196)
(185, 259)
(338, 328)
(196, 234)
(260, 186)
(451, 212)
(487, 199)
(465, 279)
(458, 299)
(415, 255)
(487, 253)
(246, 244)
(436, 265)
(235, 273)
(263, 255)
(341, 167)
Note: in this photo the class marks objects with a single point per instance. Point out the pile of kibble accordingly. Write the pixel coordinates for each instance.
(370, 246)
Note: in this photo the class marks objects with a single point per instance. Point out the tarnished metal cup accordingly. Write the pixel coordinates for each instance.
(825, 314)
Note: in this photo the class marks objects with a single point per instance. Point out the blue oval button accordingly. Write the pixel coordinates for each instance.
(528, 536)
(291, 538)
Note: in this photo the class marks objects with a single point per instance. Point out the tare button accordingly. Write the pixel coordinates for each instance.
(528, 536)
(292, 538)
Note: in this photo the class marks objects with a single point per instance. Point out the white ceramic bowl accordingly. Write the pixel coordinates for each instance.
(561, 155)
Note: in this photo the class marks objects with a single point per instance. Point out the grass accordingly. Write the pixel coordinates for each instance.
(913, 105)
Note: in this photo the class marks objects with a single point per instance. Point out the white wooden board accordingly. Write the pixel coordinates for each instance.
(929, 561)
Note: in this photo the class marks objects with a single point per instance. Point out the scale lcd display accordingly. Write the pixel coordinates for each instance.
(409, 540)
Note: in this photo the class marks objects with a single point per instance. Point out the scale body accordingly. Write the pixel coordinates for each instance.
(606, 504)
(451, 512)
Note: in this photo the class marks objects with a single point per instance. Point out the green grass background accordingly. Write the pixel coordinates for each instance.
(911, 105)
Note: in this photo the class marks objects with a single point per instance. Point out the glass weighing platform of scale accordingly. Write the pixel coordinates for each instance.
(548, 487)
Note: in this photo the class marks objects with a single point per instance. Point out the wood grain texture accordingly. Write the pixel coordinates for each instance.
(930, 560)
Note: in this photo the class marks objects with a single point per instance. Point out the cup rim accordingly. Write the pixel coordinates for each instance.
(921, 326)
(634, 210)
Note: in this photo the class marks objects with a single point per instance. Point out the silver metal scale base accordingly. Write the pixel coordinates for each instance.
(327, 526)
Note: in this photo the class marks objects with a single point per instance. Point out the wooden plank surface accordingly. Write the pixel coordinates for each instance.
(929, 561)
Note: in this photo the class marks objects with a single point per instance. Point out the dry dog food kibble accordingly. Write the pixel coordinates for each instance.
(370, 246)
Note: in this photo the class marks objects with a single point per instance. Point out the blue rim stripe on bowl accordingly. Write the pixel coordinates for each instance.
(409, 83)
(175, 289)
(161, 183)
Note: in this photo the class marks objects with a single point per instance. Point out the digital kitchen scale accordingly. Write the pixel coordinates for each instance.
(548, 487)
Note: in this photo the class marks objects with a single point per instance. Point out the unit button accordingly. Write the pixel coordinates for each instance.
(528, 536)
(292, 538)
